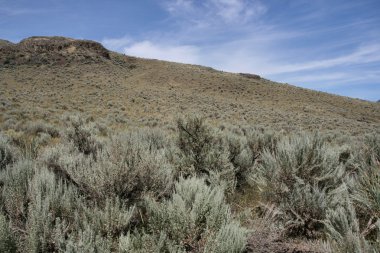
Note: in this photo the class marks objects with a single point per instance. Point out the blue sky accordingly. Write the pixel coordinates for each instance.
(327, 45)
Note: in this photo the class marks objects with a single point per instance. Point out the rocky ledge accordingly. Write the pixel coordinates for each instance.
(51, 50)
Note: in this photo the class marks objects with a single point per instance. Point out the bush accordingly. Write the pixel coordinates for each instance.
(366, 196)
(149, 191)
(7, 241)
(127, 167)
(82, 136)
(196, 218)
(195, 141)
(342, 226)
(50, 199)
(299, 179)
(15, 186)
(82, 240)
(204, 153)
(7, 154)
(371, 150)
(111, 220)
(35, 128)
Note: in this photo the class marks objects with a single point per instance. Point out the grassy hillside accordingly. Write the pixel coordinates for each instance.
(97, 154)
(140, 91)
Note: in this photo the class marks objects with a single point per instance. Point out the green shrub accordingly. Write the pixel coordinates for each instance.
(240, 157)
(195, 140)
(14, 195)
(195, 218)
(50, 199)
(7, 154)
(299, 179)
(371, 149)
(342, 226)
(366, 196)
(127, 167)
(203, 152)
(38, 127)
(259, 140)
(82, 135)
(111, 220)
(82, 240)
(7, 241)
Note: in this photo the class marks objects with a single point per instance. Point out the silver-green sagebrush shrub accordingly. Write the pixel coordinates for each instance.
(203, 152)
(260, 140)
(50, 199)
(241, 157)
(15, 187)
(342, 226)
(299, 178)
(195, 140)
(366, 197)
(364, 186)
(196, 218)
(7, 240)
(371, 149)
(111, 220)
(7, 153)
(245, 147)
(82, 135)
(35, 128)
(81, 240)
(127, 167)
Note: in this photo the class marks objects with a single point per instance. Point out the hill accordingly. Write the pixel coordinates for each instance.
(44, 77)
(251, 181)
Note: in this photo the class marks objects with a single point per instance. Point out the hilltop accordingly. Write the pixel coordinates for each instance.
(51, 50)
(44, 77)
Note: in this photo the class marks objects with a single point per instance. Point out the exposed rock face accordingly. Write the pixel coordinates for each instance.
(51, 50)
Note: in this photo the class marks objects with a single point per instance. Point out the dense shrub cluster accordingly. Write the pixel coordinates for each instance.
(148, 190)
(320, 195)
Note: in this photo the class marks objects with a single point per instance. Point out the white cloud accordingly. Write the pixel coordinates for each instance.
(148, 49)
(154, 50)
(364, 54)
(235, 35)
(116, 44)
(215, 12)
(232, 11)
(178, 6)
(19, 11)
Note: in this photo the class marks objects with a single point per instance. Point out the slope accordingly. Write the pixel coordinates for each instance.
(45, 77)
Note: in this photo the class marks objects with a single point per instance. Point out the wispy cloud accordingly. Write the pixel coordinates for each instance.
(213, 12)
(116, 44)
(147, 49)
(19, 11)
(364, 54)
(154, 50)
(240, 11)
(299, 47)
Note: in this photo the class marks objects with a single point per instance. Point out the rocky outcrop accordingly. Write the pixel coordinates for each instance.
(250, 76)
(51, 50)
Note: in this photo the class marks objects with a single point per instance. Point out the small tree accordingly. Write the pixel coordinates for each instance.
(195, 142)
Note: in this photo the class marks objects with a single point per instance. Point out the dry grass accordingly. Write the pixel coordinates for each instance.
(152, 92)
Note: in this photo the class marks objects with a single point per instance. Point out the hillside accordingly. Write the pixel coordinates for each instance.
(44, 77)
(103, 152)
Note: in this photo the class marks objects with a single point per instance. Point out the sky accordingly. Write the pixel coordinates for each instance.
(326, 45)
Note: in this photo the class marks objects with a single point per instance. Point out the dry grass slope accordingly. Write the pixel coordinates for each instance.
(43, 77)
